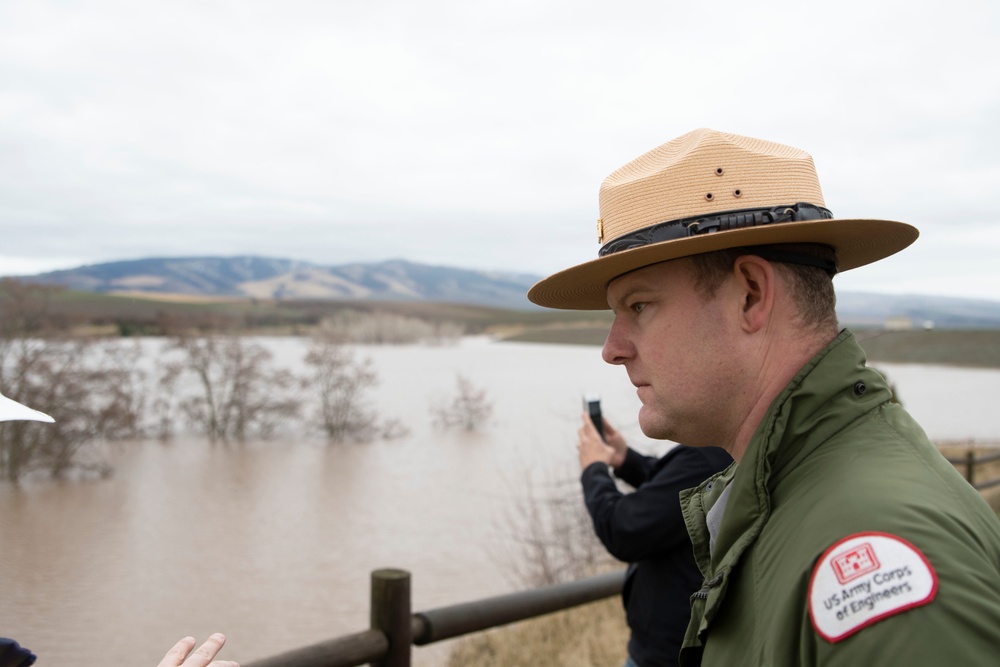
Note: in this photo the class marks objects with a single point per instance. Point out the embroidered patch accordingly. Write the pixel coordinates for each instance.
(864, 578)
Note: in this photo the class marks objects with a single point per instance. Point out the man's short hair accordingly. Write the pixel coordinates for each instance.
(812, 287)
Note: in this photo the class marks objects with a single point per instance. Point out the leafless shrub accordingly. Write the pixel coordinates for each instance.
(236, 394)
(468, 409)
(341, 382)
(549, 535)
(88, 385)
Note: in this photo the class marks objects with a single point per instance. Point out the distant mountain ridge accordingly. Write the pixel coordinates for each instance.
(272, 278)
(401, 280)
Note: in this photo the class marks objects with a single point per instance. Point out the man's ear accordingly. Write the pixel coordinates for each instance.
(755, 281)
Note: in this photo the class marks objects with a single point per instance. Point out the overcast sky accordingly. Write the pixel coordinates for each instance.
(475, 134)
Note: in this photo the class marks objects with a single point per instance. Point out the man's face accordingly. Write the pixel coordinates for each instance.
(676, 346)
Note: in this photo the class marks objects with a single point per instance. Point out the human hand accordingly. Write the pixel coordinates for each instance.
(592, 449)
(182, 656)
(616, 441)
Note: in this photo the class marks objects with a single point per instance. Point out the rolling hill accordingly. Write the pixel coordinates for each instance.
(270, 278)
(266, 278)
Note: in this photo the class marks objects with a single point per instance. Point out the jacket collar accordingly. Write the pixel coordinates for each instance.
(832, 390)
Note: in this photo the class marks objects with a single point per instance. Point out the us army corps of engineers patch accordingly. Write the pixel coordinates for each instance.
(865, 578)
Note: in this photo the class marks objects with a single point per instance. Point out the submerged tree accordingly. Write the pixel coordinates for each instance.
(341, 382)
(468, 409)
(237, 394)
(90, 386)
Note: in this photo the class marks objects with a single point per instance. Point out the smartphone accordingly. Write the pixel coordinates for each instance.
(592, 406)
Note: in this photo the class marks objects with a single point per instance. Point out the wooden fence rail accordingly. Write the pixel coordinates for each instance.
(394, 629)
(970, 461)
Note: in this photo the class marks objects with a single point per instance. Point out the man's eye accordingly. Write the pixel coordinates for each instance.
(638, 307)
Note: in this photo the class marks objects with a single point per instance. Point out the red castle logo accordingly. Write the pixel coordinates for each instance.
(855, 563)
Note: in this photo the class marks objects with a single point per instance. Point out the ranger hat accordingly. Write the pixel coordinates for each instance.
(707, 191)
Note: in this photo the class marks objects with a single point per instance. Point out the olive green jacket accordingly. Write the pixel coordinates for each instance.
(834, 458)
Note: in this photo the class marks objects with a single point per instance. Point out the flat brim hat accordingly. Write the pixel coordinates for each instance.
(708, 191)
(14, 411)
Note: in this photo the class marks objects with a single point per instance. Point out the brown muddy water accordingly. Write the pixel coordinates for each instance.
(273, 542)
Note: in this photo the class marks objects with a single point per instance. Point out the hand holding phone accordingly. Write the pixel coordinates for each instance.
(592, 406)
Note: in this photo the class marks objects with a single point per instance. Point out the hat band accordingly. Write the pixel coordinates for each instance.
(719, 222)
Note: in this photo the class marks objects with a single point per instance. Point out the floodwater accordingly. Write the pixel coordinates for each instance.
(273, 542)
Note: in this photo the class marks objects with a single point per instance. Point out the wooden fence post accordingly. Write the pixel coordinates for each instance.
(970, 466)
(391, 613)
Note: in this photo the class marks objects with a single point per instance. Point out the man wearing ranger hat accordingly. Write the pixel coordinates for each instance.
(841, 535)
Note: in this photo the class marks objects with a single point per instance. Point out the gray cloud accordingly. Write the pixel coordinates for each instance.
(456, 133)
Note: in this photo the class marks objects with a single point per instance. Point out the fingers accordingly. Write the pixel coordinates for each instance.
(175, 656)
(590, 448)
(205, 653)
(181, 655)
(588, 436)
(614, 437)
(587, 429)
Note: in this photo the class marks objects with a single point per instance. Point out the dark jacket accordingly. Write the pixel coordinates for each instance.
(13, 654)
(645, 528)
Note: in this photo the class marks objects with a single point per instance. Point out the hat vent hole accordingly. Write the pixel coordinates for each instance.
(737, 192)
(719, 171)
(709, 196)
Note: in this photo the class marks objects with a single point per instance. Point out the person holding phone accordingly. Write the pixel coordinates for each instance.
(841, 536)
(645, 528)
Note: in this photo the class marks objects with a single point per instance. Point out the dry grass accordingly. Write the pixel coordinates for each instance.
(594, 635)
(168, 297)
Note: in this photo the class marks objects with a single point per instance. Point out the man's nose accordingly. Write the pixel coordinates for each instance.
(616, 346)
